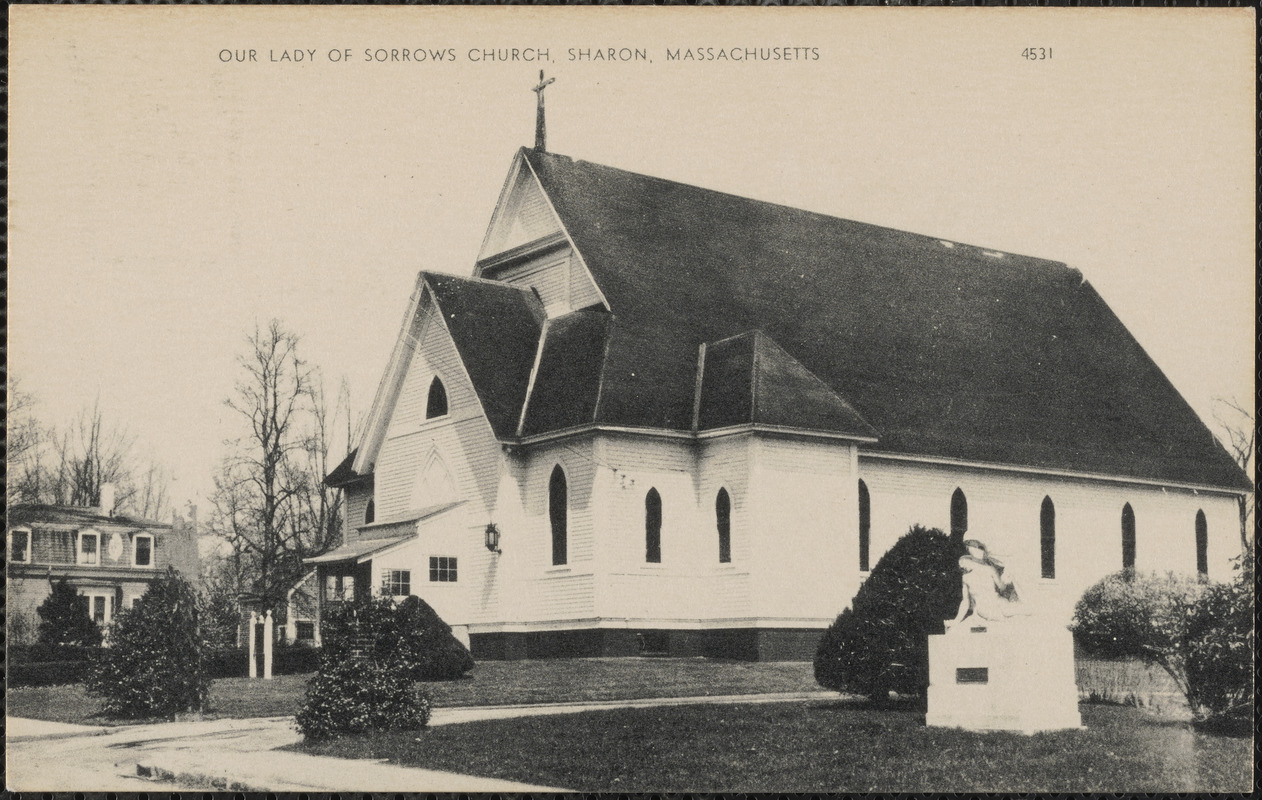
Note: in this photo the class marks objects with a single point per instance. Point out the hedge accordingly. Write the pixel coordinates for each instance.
(49, 664)
(47, 673)
(235, 663)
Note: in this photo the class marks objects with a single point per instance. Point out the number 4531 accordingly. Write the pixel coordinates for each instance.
(1036, 53)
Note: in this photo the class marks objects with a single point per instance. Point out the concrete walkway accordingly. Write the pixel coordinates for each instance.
(242, 755)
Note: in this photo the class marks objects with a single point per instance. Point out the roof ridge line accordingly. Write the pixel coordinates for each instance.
(928, 238)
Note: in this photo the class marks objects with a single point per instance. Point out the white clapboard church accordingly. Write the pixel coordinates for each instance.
(659, 418)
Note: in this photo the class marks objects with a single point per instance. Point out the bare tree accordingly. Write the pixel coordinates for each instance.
(68, 467)
(270, 502)
(1240, 438)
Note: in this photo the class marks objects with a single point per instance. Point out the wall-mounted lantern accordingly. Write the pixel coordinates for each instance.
(493, 538)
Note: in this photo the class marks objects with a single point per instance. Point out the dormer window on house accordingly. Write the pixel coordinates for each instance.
(436, 404)
(143, 550)
(88, 553)
(20, 546)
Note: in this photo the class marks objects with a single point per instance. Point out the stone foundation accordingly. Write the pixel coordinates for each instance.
(744, 644)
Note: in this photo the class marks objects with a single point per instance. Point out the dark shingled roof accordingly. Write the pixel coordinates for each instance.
(343, 474)
(748, 378)
(36, 513)
(946, 351)
(496, 329)
(567, 380)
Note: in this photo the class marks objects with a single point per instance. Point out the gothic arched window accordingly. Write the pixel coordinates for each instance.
(1128, 537)
(436, 404)
(1047, 538)
(1202, 544)
(558, 512)
(370, 512)
(653, 527)
(959, 515)
(723, 521)
(865, 527)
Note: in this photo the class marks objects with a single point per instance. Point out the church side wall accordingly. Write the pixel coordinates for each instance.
(1004, 512)
(529, 586)
(804, 541)
(688, 584)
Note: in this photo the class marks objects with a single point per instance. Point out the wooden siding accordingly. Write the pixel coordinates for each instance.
(58, 547)
(356, 502)
(560, 278)
(549, 275)
(525, 217)
(462, 439)
(803, 539)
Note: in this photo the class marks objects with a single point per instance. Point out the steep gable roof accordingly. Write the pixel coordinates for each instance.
(496, 328)
(566, 384)
(947, 350)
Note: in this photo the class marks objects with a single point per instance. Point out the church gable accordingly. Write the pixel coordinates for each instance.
(456, 382)
(526, 245)
(522, 215)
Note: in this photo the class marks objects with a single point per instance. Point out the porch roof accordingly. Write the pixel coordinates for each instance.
(357, 551)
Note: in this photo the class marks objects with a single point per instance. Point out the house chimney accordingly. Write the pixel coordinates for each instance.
(107, 499)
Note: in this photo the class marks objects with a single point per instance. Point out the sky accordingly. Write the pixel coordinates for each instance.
(166, 197)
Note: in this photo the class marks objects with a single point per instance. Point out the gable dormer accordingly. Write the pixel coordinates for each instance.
(527, 245)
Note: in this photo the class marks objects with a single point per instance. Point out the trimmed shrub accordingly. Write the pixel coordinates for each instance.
(49, 664)
(155, 662)
(358, 695)
(1200, 633)
(880, 643)
(64, 618)
(410, 632)
(1219, 658)
(1139, 615)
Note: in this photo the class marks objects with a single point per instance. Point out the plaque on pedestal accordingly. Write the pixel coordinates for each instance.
(998, 667)
(1006, 677)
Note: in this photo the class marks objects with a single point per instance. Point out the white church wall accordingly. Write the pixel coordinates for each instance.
(447, 536)
(356, 503)
(650, 594)
(803, 530)
(560, 278)
(551, 592)
(1004, 511)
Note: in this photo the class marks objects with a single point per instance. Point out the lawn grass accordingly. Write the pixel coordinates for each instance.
(818, 746)
(489, 683)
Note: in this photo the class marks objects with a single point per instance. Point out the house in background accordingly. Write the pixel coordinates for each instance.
(667, 419)
(301, 609)
(108, 558)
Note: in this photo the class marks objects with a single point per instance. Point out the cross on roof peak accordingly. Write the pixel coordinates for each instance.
(541, 135)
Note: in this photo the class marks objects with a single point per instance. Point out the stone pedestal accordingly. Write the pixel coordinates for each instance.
(1017, 675)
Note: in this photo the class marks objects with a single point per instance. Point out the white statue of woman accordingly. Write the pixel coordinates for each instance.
(986, 593)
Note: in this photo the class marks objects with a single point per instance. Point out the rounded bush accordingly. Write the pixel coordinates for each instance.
(155, 662)
(880, 643)
(410, 632)
(359, 695)
(1137, 615)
